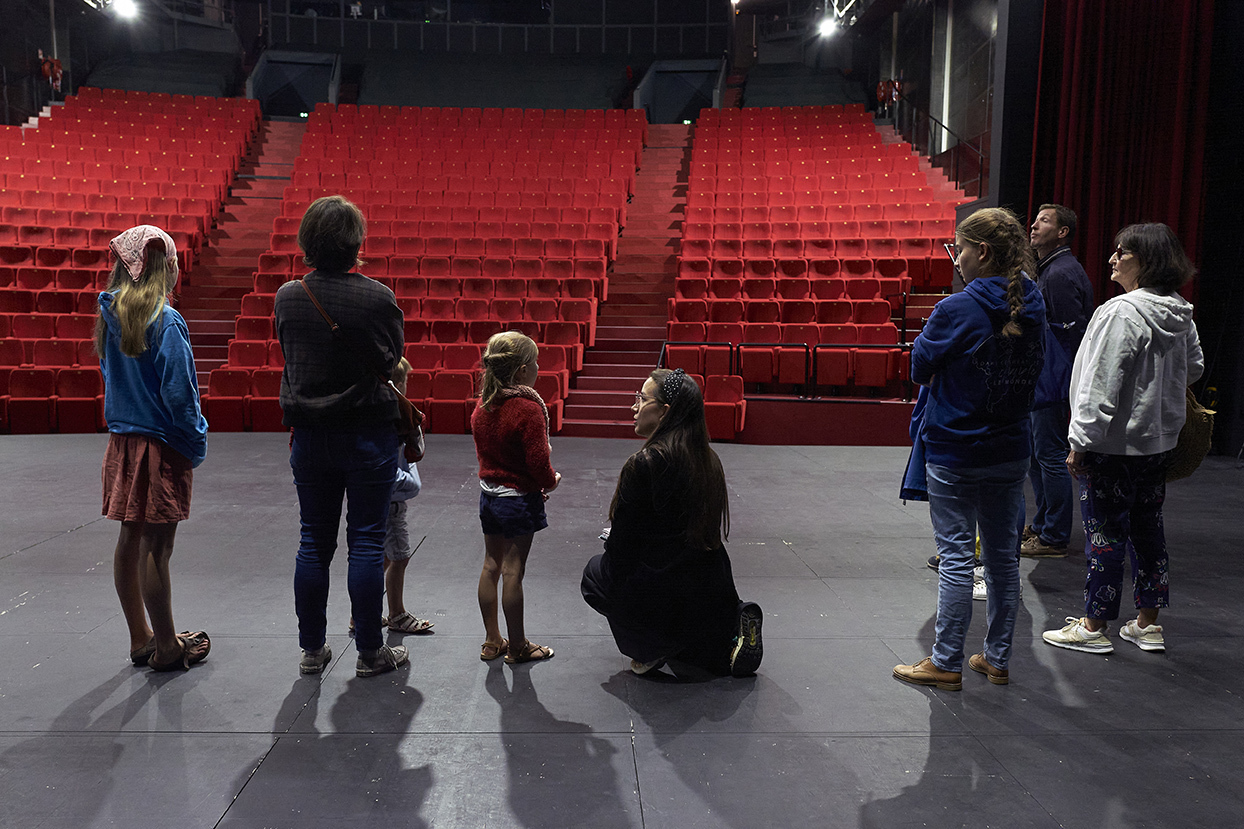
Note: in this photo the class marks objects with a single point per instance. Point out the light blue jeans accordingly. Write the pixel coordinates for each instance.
(961, 502)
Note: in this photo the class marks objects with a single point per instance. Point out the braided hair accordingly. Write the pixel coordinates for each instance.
(1010, 255)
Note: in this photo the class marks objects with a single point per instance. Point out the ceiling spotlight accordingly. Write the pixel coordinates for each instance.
(125, 8)
(827, 27)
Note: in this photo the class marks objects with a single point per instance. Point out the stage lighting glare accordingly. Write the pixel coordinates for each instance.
(125, 8)
(827, 28)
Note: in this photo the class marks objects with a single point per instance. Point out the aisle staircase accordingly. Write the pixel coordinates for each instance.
(225, 271)
(920, 303)
(630, 327)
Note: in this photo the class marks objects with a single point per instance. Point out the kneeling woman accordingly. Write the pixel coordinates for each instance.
(664, 581)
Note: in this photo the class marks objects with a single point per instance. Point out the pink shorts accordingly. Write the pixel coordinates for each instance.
(145, 481)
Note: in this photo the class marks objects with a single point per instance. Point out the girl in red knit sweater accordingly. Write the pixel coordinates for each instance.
(511, 429)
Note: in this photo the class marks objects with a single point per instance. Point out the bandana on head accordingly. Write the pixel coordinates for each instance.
(131, 248)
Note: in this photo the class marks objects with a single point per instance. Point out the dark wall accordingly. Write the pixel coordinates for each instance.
(666, 28)
(1220, 300)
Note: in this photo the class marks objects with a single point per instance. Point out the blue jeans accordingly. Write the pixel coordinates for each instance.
(1051, 481)
(960, 502)
(360, 464)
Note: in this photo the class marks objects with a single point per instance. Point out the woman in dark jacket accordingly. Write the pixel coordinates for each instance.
(664, 581)
(344, 420)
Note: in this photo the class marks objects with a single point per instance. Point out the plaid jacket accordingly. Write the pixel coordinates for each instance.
(332, 382)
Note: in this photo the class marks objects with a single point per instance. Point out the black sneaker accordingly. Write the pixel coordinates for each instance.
(381, 661)
(747, 651)
(932, 562)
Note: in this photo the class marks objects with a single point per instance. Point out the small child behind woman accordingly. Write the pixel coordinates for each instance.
(397, 549)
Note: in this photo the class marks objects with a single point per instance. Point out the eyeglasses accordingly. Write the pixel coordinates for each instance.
(1120, 252)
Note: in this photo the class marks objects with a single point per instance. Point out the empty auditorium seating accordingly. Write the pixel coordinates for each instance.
(837, 228)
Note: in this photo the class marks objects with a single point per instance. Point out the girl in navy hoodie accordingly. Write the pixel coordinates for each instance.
(157, 435)
(980, 355)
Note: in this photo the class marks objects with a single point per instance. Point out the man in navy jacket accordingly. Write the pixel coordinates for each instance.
(1068, 305)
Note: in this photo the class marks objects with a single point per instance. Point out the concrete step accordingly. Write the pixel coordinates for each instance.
(618, 357)
(209, 328)
(624, 397)
(575, 428)
(605, 333)
(603, 413)
(631, 370)
(642, 344)
(610, 383)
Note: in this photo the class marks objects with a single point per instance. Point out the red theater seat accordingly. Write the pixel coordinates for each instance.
(265, 403)
(226, 402)
(79, 400)
(31, 401)
(452, 393)
(725, 410)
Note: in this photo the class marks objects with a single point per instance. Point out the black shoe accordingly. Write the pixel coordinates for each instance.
(748, 649)
(932, 562)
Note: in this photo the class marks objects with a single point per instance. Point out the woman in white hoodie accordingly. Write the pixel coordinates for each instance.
(1139, 353)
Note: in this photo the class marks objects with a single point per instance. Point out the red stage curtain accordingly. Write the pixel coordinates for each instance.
(1122, 108)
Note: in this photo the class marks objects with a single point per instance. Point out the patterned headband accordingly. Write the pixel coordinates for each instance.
(671, 386)
(131, 248)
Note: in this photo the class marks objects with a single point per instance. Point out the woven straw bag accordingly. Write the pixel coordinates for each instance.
(1194, 440)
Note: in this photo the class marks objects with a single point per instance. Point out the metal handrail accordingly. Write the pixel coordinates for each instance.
(960, 141)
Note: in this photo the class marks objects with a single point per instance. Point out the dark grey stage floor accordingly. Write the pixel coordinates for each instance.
(822, 737)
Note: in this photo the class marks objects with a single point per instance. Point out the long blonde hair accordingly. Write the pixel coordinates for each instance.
(505, 354)
(136, 304)
(1010, 255)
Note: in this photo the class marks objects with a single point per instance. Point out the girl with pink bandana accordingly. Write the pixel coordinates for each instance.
(157, 436)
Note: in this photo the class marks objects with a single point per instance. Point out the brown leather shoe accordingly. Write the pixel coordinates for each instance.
(998, 676)
(925, 672)
(1036, 548)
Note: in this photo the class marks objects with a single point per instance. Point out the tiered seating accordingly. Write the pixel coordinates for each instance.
(803, 236)
(105, 161)
(479, 220)
(108, 160)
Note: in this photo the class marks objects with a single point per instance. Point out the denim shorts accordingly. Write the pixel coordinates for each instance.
(512, 516)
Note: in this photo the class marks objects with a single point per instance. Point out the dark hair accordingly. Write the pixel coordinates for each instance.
(331, 233)
(681, 442)
(1164, 267)
(1065, 216)
(1010, 255)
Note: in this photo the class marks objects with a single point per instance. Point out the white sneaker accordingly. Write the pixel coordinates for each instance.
(978, 573)
(1076, 636)
(979, 592)
(1147, 639)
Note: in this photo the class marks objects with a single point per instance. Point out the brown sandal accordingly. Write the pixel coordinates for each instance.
(531, 652)
(189, 642)
(490, 650)
(139, 656)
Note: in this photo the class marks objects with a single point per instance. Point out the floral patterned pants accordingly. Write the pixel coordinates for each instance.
(1121, 501)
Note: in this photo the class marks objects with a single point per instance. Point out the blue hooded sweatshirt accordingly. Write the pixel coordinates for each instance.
(981, 384)
(157, 392)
